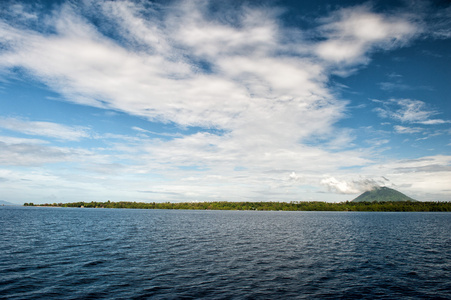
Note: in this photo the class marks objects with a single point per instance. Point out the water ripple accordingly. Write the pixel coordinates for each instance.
(56, 253)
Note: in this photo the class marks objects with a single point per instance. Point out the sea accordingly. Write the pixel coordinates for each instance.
(87, 253)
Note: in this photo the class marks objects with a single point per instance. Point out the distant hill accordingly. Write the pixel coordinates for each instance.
(6, 203)
(383, 194)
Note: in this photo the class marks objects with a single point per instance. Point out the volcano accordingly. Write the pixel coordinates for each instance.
(383, 194)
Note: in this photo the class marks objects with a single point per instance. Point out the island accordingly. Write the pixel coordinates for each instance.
(380, 199)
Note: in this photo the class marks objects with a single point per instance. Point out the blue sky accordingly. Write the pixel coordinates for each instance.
(212, 101)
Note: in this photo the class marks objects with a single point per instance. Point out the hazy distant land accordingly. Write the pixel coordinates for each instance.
(2, 202)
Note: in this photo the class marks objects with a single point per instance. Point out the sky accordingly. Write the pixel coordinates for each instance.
(180, 101)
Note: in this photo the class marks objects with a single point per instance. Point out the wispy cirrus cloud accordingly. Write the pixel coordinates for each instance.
(408, 111)
(407, 130)
(354, 32)
(46, 129)
(392, 86)
(396, 83)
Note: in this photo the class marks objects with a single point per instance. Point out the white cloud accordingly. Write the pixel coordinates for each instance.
(240, 74)
(339, 186)
(408, 130)
(16, 140)
(295, 177)
(435, 122)
(352, 186)
(439, 25)
(391, 86)
(20, 11)
(145, 131)
(139, 129)
(412, 111)
(30, 154)
(352, 32)
(408, 111)
(246, 75)
(46, 129)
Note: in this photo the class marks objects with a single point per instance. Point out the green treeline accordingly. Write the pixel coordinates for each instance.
(267, 206)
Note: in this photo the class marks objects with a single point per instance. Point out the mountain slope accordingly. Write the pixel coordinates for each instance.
(2, 202)
(382, 194)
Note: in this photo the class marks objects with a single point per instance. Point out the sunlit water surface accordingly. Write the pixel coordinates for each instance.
(70, 253)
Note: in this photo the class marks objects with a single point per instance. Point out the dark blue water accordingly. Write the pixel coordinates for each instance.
(70, 253)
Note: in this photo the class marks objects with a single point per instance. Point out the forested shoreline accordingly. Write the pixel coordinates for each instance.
(268, 206)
